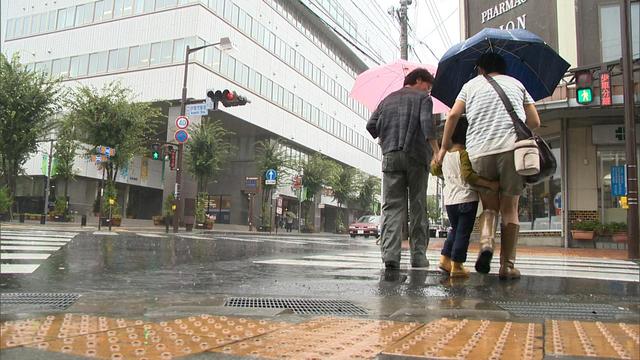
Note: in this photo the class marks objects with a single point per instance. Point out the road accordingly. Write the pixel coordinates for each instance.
(153, 277)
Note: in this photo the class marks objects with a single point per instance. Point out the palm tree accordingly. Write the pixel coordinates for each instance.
(344, 191)
(270, 155)
(208, 150)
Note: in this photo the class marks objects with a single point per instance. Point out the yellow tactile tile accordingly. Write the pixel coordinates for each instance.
(471, 339)
(22, 332)
(592, 339)
(324, 338)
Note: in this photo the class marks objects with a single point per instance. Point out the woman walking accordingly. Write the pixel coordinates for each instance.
(490, 140)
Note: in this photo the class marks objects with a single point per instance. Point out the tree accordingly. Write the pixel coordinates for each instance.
(65, 152)
(345, 190)
(207, 152)
(28, 99)
(368, 195)
(434, 212)
(110, 117)
(270, 155)
(317, 172)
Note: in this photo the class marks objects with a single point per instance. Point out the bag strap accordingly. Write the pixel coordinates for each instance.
(504, 98)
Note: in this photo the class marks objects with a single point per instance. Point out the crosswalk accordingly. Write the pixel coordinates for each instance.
(529, 265)
(23, 251)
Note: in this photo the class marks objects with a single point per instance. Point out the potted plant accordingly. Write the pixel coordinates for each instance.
(158, 220)
(201, 217)
(59, 210)
(585, 230)
(618, 232)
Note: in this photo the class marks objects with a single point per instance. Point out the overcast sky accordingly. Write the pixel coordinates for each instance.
(435, 23)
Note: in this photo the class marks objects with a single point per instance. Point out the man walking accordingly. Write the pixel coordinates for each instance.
(404, 124)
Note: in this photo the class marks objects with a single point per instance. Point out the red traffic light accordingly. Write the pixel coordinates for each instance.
(229, 95)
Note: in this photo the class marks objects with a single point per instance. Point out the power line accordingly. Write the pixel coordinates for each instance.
(439, 19)
(435, 18)
(440, 23)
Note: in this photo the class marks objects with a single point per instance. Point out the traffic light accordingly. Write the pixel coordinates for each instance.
(172, 158)
(584, 87)
(227, 97)
(155, 151)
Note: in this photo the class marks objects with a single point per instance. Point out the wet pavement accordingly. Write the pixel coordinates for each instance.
(152, 277)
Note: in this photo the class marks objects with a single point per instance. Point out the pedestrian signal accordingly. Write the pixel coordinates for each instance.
(155, 151)
(584, 87)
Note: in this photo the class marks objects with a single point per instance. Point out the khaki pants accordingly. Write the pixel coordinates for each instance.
(399, 173)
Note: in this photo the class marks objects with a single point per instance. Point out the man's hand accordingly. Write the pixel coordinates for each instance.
(494, 186)
(440, 156)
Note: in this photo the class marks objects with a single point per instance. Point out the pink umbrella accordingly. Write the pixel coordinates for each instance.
(376, 83)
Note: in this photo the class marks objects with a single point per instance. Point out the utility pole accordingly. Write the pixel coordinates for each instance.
(633, 233)
(47, 183)
(403, 17)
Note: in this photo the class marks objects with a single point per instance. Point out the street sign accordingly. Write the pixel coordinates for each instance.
(181, 136)
(251, 183)
(618, 181)
(279, 202)
(605, 88)
(279, 210)
(557, 201)
(270, 177)
(182, 122)
(197, 109)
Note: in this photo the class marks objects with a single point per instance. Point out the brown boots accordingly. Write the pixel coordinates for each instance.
(508, 243)
(488, 222)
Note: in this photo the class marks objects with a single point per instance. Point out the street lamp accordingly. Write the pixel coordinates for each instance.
(225, 45)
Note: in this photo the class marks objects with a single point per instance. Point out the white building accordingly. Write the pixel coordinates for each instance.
(295, 60)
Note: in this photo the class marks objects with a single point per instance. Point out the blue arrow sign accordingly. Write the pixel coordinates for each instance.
(270, 177)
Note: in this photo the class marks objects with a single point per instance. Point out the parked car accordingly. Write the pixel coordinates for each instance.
(368, 225)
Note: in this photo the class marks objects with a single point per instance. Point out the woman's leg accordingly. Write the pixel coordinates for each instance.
(488, 222)
(509, 237)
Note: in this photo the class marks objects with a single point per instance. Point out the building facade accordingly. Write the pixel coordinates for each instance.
(295, 61)
(588, 140)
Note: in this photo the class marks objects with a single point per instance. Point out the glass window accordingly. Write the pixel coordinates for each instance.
(179, 49)
(117, 8)
(254, 30)
(98, 12)
(154, 59)
(75, 68)
(143, 55)
(44, 66)
(235, 14)
(134, 57)
(248, 26)
(11, 26)
(228, 9)
(242, 74)
(275, 95)
(230, 69)
(107, 9)
(288, 100)
(71, 15)
(297, 105)
(60, 67)
(138, 7)
(315, 114)
(97, 63)
(127, 7)
(255, 80)
(123, 58)
(26, 26)
(266, 88)
(306, 110)
(610, 35)
(43, 22)
(215, 63)
(149, 5)
(35, 24)
(62, 18)
(166, 52)
(242, 19)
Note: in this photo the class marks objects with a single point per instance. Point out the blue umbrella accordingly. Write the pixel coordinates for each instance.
(529, 59)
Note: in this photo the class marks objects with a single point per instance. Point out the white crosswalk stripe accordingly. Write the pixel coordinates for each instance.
(529, 265)
(23, 251)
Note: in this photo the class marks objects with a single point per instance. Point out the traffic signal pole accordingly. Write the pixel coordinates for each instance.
(178, 187)
(633, 233)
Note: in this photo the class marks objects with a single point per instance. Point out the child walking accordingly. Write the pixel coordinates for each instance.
(460, 199)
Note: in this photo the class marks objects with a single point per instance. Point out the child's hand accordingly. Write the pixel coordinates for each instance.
(494, 186)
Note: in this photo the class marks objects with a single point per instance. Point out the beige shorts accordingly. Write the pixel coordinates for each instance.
(499, 167)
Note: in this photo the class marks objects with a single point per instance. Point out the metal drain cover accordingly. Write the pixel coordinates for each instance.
(55, 301)
(299, 306)
(564, 310)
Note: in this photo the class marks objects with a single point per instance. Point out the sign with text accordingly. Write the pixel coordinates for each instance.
(251, 183)
(182, 122)
(618, 181)
(197, 109)
(605, 88)
(611, 134)
(270, 177)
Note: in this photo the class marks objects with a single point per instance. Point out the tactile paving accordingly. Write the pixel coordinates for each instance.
(22, 332)
(471, 339)
(592, 339)
(324, 338)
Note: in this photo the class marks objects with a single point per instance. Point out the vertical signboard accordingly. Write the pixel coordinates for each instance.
(618, 181)
(605, 88)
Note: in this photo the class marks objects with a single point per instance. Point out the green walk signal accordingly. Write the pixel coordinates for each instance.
(155, 151)
(155, 155)
(584, 96)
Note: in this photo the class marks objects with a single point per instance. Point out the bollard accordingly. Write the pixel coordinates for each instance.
(43, 219)
(22, 218)
(83, 220)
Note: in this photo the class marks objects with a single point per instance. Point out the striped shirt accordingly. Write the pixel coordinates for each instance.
(490, 126)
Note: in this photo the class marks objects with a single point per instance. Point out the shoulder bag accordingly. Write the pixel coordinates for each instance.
(532, 155)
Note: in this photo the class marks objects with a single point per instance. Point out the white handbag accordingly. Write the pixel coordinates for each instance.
(526, 156)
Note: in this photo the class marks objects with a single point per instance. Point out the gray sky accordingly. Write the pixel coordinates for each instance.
(435, 23)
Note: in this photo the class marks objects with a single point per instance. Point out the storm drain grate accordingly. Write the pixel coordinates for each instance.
(299, 306)
(564, 310)
(57, 301)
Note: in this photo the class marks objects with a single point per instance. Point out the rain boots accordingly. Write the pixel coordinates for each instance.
(508, 242)
(488, 222)
(445, 263)
(458, 270)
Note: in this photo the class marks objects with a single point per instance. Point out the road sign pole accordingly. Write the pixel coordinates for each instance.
(183, 103)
